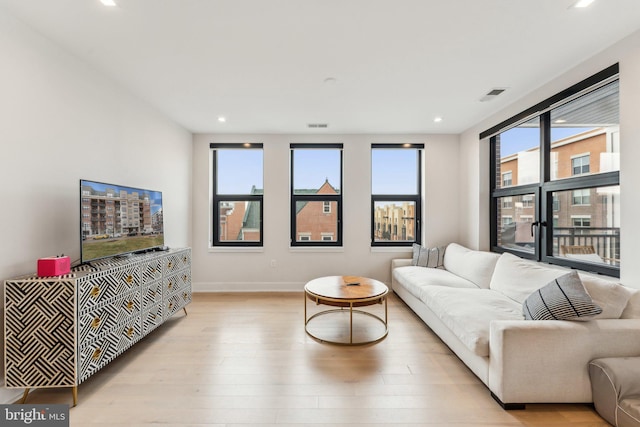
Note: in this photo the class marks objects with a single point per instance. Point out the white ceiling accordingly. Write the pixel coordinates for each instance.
(263, 63)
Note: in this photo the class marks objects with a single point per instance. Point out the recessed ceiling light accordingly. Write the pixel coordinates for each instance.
(437, 119)
(560, 121)
(222, 119)
(109, 3)
(582, 3)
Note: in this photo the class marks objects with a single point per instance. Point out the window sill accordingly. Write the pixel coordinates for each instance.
(236, 249)
(310, 249)
(392, 249)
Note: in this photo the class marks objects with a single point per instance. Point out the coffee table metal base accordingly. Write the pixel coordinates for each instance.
(344, 306)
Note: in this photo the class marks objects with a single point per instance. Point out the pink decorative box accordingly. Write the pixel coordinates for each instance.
(54, 266)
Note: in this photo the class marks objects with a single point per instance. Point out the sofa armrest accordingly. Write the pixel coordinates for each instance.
(547, 361)
(395, 263)
(400, 262)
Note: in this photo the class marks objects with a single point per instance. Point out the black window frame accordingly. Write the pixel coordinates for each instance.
(415, 198)
(543, 191)
(217, 198)
(295, 198)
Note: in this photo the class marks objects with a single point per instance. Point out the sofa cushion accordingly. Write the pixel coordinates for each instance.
(428, 257)
(632, 310)
(468, 313)
(414, 279)
(564, 298)
(476, 266)
(518, 278)
(610, 295)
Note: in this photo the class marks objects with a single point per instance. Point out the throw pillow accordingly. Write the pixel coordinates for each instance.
(428, 257)
(564, 298)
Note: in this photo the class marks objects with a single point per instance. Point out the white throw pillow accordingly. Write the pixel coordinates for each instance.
(475, 266)
(610, 295)
(517, 278)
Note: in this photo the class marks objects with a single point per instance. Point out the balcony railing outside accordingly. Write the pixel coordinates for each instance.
(605, 241)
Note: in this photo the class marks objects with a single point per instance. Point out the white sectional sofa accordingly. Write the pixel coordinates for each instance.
(474, 304)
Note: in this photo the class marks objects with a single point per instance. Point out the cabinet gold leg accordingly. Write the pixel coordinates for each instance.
(185, 310)
(74, 391)
(24, 396)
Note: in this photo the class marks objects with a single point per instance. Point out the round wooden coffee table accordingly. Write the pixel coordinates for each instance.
(346, 292)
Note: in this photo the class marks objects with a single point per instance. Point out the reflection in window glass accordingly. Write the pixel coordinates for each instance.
(588, 232)
(515, 215)
(518, 155)
(585, 134)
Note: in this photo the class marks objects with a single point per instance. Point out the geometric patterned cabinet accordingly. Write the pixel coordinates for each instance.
(61, 330)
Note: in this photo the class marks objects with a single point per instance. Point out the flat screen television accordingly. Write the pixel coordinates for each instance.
(117, 220)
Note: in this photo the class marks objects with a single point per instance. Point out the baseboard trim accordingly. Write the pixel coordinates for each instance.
(247, 286)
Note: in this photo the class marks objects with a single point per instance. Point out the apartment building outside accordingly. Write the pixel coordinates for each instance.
(395, 221)
(587, 217)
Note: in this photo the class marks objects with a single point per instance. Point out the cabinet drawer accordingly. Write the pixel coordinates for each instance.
(151, 271)
(96, 355)
(152, 318)
(94, 324)
(151, 295)
(176, 262)
(101, 287)
(176, 282)
(175, 302)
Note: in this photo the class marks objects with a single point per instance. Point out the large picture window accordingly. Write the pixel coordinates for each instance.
(555, 193)
(237, 196)
(316, 194)
(396, 197)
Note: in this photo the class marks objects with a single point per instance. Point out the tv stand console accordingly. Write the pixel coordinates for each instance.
(61, 330)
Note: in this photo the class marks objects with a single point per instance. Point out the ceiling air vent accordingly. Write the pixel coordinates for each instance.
(492, 94)
(317, 125)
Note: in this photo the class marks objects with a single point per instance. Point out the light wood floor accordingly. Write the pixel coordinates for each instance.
(245, 360)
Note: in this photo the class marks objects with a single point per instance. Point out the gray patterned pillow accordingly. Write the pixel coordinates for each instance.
(428, 257)
(565, 298)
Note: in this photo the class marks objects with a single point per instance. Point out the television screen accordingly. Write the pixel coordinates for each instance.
(116, 220)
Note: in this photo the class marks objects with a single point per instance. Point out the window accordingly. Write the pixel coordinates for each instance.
(316, 194)
(581, 221)
(527, 201)
(580, 165)
(507, 179)
(555, 170)
(237, 196)
(396, 194)
(581, 197)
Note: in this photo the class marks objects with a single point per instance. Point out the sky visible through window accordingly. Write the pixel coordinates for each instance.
(394, 171)
(239, 170)
(312, 167)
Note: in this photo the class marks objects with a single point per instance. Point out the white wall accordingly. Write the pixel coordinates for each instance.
(243, 270)
(475, 154)
(62, 121)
